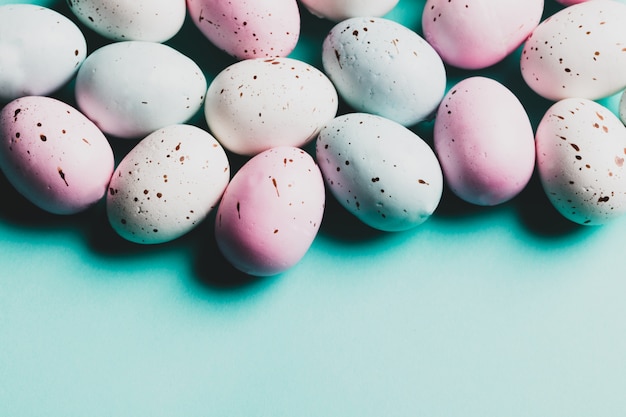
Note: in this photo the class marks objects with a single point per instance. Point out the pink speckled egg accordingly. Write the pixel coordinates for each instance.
(248, 29)
(480, 33)
(484, 141)
(578, 52)
(271, 211)
(53, 155)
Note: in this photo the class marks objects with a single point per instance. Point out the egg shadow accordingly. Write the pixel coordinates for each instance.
(539, 216)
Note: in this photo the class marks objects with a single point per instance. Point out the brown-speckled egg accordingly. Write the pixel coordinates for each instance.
(167, 184)
(581, 149)
(54, 155)
(271, 211)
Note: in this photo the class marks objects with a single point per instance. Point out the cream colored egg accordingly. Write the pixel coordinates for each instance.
(581, 150)
(257, 104)
(126, 20)
(338, 10)
(167, 184)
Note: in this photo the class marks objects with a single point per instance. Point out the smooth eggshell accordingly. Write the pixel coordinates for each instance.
(126, 20)
(257, 104)
(40, 51)
(477, 34)
(130, 89)
(248, 29)
(578, 52)
(53, 155)
(167, 184)
(382, 67)
(581, 149)
(484, 141)
(271, 211)
(380, 171)
(338, 10)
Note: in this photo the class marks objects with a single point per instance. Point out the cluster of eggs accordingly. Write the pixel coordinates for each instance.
(267, 107)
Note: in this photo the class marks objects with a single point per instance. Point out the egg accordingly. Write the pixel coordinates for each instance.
(248, 29)
(40, 51)
(581, 149)
(382, 67)
(125, 20)
(167, 184)
(257, 104)
(484, 141)
(380, 171)
(271, 211)
(478, 34)
(132, 88)
(578, 52)
(338, 10)
(53, 155)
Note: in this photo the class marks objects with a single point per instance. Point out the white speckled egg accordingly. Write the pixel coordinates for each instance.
(382, 67)
(53, 155)
(338, 10)
(477, 34)
(167, 184)
(484, 141)
(126, 20)
(257, 104)
(248, 29)
(581, 149)
(40, 50)
(580, 51)
(271, 211)
(380, 171)
(130, 89)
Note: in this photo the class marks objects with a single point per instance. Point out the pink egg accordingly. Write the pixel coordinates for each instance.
(53, 155)
(480, 33)
(484, 141)
(271, 211)
(246, 28)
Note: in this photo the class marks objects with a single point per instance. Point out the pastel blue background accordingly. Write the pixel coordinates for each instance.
(497, 311)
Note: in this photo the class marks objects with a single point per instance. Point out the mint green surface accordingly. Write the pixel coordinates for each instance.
(481, 311)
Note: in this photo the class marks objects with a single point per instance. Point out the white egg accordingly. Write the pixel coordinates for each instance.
(382, 67)
(380, 171)
(140, 20)
(167, 184)
(580, 51)
(130, 89)
(40, 50)
(257, 104)
(581, 149)
(338, 10)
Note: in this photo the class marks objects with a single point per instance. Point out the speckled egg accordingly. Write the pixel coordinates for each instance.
(248, 29)
(167, 184)
(271, 211)
(380, 171)
(257, 104)
(53, 155)
(338, 10)
(382, 67)
(484, 141)
(478, 34)
(130, 89)
(40, 51)
(580, 51)
(126, 20)
(581, 149)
